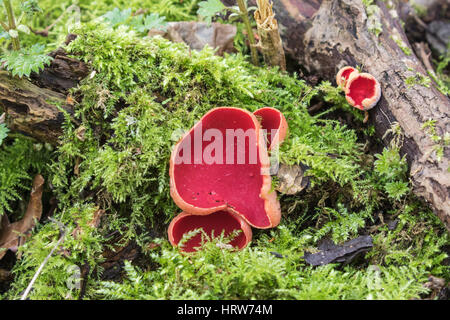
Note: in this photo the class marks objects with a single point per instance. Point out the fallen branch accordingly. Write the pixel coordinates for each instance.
(37, 108)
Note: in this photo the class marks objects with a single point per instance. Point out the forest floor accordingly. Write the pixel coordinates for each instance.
(107, 181)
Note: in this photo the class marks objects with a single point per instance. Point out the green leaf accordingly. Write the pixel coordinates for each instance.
(397, 189)
(116, 16)
(22, 63)
(30, 7)
(208, 9)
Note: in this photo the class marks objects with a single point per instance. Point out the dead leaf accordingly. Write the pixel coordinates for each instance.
(70, 100)
(198, 34)
(436, 285)
(76, 168)
(12, 235)
(79, 132)
(292, 179)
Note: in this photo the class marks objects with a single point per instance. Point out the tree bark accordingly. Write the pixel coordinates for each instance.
(323, 36)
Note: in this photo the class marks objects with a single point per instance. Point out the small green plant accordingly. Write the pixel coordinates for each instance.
(3, 131)
(402, 45)
(418, 79)
(373, 17)
(440, 142)
(210, 8)
(440, 77)
(21, 61)
(26, 60)
(391, 168)
(140, 23)
(20, 160)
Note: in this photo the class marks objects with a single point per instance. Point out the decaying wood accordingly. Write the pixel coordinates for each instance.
(34, 108)
(323, 36)
(269, 37)
(63, 73)
(30, 109)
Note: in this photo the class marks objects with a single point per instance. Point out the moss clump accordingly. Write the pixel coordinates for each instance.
(402, 45)
(115, 153)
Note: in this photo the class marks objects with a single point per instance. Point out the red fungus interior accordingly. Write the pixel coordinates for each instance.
(361, 88)
(234, 184)
(270, 120)
(346, 73)
(217, 222)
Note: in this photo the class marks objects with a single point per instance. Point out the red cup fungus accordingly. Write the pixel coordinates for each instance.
(230, 173)
(362, 91)
(219, 177)
(212, 225)
(343, 75)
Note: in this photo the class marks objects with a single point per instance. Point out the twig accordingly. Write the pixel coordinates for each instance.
(62, 233)
(315, 107)
(4, 26)
(424, 57)
(366, 116)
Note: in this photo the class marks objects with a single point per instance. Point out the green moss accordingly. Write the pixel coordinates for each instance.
(406, 50)
(441, 142)
(255, 273)
(418, 79)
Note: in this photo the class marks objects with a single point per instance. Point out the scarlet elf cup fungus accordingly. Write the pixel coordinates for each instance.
(212, 225)
(362, 91)
(343, 75)
(222, 164)
(274, 122)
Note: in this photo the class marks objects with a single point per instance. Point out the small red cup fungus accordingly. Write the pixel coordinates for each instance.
(211, 225)
(362, 91)
(343, 75)
(275, 124)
